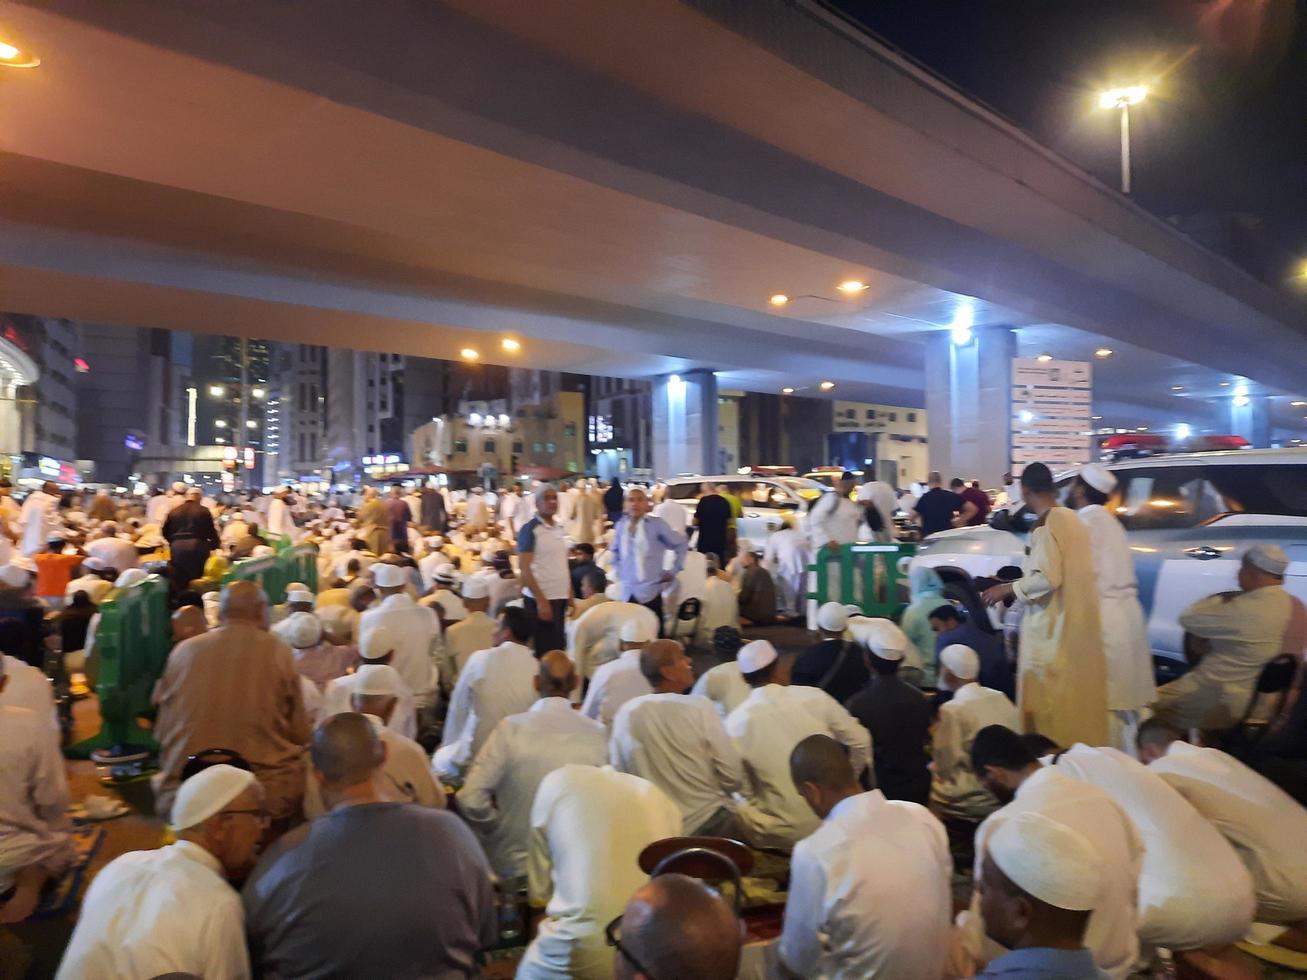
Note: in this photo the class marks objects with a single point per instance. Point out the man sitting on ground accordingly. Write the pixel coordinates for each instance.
(954, 628)
(757, 590)
(676, 926)
(474, 631)
(620, 680)
(834, 665)
(379, 649)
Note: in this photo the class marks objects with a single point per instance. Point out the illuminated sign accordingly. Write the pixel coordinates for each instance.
(134, 442)
(601, 429)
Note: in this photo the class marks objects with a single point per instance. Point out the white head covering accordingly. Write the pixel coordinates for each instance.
(297, 587)
(380, 679)
(1099, 477)
(14, 577)
(179, 487)
(755, 655)
(380, 642)
(881, 637)
(262, 551)
(638, 629)
(1048, 860)
(387, 576)
(477, 587)
(853, 609)
(93, 563)
(301, 630)
(445, 574)
(207, 792)
(832, 617)
(133, 576)
(300, 595)
(961, 660)
(1270, 558)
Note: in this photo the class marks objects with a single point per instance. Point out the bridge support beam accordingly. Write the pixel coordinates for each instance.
(969, 404)
(685, 424)
(1252, 421)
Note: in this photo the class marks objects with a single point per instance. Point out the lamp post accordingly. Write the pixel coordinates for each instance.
(1123, 99)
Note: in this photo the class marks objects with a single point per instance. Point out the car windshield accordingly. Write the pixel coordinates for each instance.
(807, 489)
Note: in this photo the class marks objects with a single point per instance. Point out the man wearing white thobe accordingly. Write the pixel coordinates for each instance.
(588, 827)
(474, 631)
(338, 697)
(521, 751)
(834, 519)
(719, 607)
(1125, 635)
(25, 686)
(675, 514)
(724, 686)
(415, 629)
(596, 634)
(160, 505)
(785, 555)
(116, 553)
(620, 680)
(39, 518)
(880, 495)
(280, 520)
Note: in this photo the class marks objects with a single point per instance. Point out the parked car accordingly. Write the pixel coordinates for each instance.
(1188, 519)
(766, 500)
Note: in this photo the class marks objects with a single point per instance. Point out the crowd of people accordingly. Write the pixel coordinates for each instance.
(487, 703)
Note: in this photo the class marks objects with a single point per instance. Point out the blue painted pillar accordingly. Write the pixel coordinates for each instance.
(1252, 421)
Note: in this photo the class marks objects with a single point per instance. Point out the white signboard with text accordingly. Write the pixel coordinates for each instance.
(1052, 404)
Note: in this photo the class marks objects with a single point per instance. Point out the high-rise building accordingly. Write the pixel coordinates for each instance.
(294, 435)
(231, 375)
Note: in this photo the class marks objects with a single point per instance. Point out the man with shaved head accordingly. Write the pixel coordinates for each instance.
(235, 686)
(188, 621)
(869, 888)
(521, 750)
(676, 926)
(373, 888)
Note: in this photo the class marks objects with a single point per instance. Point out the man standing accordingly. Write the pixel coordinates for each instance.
(879, 502)
(834, 518)
(937, 507)
(1239, 633)
(546, 585)
(416, 628)
(398, 518)
(191, 536)
(280, 520)
(433, 518)
(785, 555)
(521, 750)
(373, 888)
(235, 686)
(372, 520)
(870, 887)
(975, 503)
(677, 742)
(1062, 691)
(640, 545)
(712, 517)
(171, 911)
(1125, 635)
(39, 518)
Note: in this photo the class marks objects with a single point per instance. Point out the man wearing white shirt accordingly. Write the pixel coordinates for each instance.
(785, 555)
(89, 581)
(620, 680)
(495, 683)
(833, 519)
(546, 580)
(522, 749)
(596, 633)
(677, 742)
(171, 911)
(25, 686)
(724, 686)
(116, 553)
(870, 888)
(766, 727)
(379, 648)
(158, 506)
(588, 827)
(675, 514)
(955, 792)
(280, 520)
(1125, 635)
(719, 606)
(39, 518)
(1264, 824)
(416, 630)
(879, 495)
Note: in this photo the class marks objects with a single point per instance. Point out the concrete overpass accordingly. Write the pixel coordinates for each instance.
(620, 185)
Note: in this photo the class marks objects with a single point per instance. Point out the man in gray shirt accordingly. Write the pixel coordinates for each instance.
(372, 888)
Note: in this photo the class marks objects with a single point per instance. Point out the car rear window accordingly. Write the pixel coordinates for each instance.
(1186, 496)
(682, 491)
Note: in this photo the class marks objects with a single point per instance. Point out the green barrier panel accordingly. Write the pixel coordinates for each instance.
(302, 564)
(278, 542)
(132, 642)
(866, 575)
(269, 573)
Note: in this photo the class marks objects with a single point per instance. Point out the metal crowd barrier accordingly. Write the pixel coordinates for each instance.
(866, 575)
(298, 563)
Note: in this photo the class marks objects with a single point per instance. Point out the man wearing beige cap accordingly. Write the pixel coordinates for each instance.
(415, 630)
(378, 649)
(474, 631)
(1234, 635)
(596, 635)
(620, 680)
(171, 910)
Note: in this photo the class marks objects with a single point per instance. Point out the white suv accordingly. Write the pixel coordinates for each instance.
(1188, 519)
(766, 499)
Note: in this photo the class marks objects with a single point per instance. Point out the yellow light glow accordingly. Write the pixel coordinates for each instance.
(851, 286)
(217, 391)
(8, 52)
(827, 385)
(1118, 98)
(1044, 357)
(1298, 404)
(469, 354)
(778, 299)
(1104, 352)
(258, 392)
(12, 57)
(787, 391)
(1162, 503)
(511, 345)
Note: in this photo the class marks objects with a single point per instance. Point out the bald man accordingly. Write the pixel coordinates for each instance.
(235, 686)
(676, 926)
(188, 621)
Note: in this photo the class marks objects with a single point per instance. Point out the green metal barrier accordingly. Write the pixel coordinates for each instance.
(866, 575)
(132, 642)
(273, 573)
(302, 564)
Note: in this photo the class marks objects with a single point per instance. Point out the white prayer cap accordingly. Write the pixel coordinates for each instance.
(477, 587)
(179, 487)
(378, 644)
(1270, 558)
(14, 577)
(299, 595)
(297, 587)
(832, 617)
(755, 655)
(638, 629)
(133, 576)
(881, 637)
(207, 792)
(445, 573)
(1048, 860)
(93, 563)
(387, 576)
(262, 551)
(301, 630)
(1099, 477)
(961, 660)
(435, 541)
(853, 609)
(381, 679)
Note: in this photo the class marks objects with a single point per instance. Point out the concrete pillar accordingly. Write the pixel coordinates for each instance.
(685, 424)
(969, 404)
(1252, 421)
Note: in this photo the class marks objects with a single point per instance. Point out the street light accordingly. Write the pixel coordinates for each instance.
(217, 391)
(1123, 99)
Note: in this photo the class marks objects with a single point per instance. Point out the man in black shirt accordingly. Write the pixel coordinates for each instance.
(832, 665)
(582, 563)
(712, 516)
(936, 507)
(191, 536)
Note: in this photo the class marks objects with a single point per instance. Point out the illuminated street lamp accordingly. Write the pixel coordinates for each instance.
(1123, 99)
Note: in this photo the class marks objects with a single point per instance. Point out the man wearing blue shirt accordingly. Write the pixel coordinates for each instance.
(640, 545)
(953, 626)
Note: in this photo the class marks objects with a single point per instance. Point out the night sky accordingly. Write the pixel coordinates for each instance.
(1225, 125)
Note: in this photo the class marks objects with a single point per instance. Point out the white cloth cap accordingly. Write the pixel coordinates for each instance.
(755, 655)
(1099, 477)
(388, 576)
(93, 563)
(832, 617)
(638, 629)
(380, 642)
(299, 595)
(881, 637)
(1270, 558)
(14, 577)
(853, 609)
(381, 679)
(961, 660)
(1048, 860)
(179, 487)
(207, 792)
(446, 573)
(477, 587)
(296, 587)
(301, 630)
(133, 576)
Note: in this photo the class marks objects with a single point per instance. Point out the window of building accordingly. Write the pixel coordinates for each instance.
(871, 413)
(912, 416)
(460, 445)
(488, 446)
(371, 428)
(550, 447)
(893, 416)
(569, 430)
(517, 447)
(536, 447)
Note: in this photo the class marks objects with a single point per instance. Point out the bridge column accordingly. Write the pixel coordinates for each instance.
(969, 404)
(685, 424)
(1252, 421)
